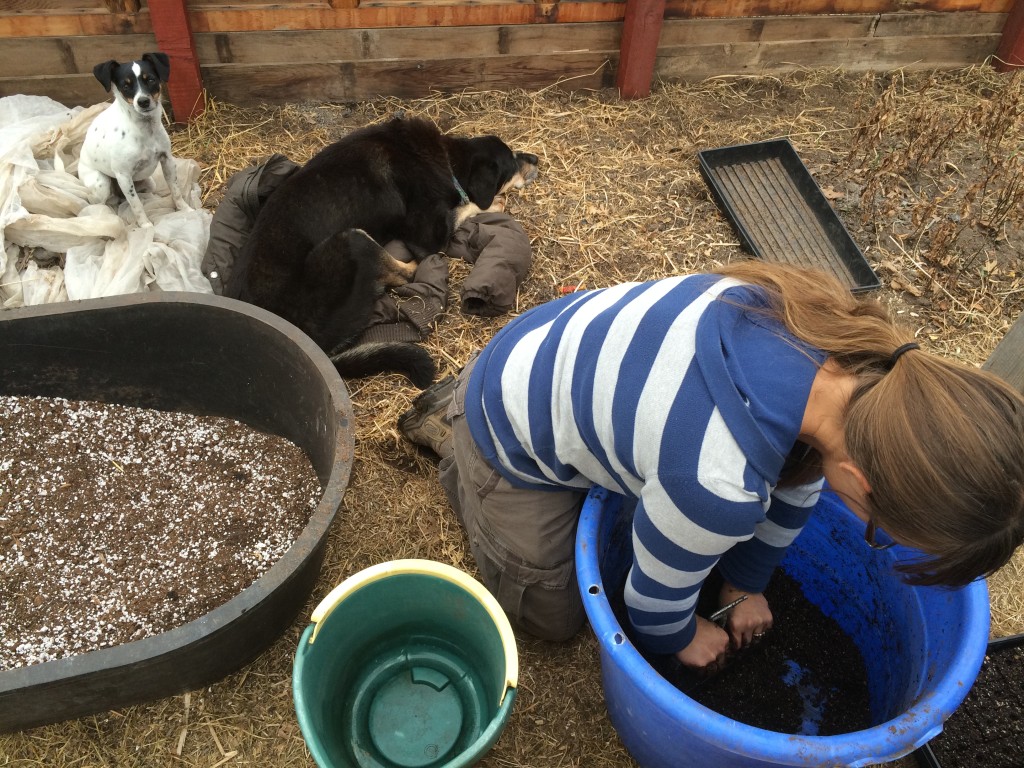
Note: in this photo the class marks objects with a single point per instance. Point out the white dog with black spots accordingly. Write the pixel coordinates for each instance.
(128, 140)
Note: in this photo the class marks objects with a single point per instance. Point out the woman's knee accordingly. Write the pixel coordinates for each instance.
(544, 605)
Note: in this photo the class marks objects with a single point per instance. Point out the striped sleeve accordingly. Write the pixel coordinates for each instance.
(749, 565)
(681, 528)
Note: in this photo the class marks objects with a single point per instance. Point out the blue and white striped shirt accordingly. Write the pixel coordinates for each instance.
(670, 393)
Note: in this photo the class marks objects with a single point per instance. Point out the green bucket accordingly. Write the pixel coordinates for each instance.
(407, 664)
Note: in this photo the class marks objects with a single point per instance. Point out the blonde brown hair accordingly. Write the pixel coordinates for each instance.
(941, 443)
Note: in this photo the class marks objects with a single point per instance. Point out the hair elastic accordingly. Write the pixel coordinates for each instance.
(900, 351)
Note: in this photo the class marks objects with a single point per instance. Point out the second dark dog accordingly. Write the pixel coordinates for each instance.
(314, 258)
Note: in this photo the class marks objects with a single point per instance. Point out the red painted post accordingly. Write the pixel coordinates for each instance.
(638, 49)
(174, 37)
(1010, 54)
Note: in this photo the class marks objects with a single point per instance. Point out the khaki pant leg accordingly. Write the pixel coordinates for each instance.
(523, 540)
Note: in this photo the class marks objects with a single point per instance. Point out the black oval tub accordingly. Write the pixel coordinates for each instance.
(205, 355)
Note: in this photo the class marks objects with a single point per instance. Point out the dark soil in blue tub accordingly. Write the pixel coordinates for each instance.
(807, 676)
(987, 730)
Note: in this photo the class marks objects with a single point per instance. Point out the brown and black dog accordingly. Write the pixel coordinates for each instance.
(314, 255)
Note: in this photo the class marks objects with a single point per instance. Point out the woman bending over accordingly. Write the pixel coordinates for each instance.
(720, 402)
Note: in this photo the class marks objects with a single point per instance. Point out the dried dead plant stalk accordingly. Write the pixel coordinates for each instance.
(905, 143)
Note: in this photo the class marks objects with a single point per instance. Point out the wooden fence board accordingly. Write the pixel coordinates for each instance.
(781, 28)
(264, 5)
(924, 24)
(688, 9)
(407, 3)
(402, 43)
(64, 6)
(352, 81)
(70, 90)
(13, 25)
(704, 31)
(862, 55)
(69, 55)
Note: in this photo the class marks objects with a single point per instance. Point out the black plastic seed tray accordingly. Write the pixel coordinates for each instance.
(780, 213)
(973, 724)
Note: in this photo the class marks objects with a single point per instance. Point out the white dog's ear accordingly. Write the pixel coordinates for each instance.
(105, 73)
(161, 63)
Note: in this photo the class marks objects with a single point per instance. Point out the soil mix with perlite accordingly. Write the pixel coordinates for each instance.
(987, 729)
(805, 677)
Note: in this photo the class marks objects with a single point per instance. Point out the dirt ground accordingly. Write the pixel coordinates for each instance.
(923, 169)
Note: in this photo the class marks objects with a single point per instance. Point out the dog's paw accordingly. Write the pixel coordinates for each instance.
(498, 206)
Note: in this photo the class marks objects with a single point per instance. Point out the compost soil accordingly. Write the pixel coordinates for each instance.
(119, 523)
(987, 730)
(806, 676)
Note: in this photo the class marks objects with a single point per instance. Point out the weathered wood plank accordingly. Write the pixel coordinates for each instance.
(64, 6)
(265, 5)
(688, 9)
(401, 43)
(74, 24)
(778, 28)
(407, 3)
(860, 55)
(69, 55)
(764, 29)
(352, 81)
(1007, 359)
(923, 24)
(70, 90)
(270, 5)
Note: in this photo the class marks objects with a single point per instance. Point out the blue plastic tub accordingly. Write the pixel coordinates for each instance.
(923, 648)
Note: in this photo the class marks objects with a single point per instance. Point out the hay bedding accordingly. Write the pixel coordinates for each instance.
(922, 169)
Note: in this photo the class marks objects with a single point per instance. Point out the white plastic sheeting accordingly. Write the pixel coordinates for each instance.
(46, 219)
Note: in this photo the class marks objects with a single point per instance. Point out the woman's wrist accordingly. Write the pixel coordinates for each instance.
(728, 593)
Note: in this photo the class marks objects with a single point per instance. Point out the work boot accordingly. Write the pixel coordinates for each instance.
(427, 422)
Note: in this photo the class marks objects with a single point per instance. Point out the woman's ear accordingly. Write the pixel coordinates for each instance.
(854, 487)
(856, 474)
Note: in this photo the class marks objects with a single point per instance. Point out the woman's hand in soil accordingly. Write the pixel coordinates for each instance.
(708, 648)
(748, 621)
